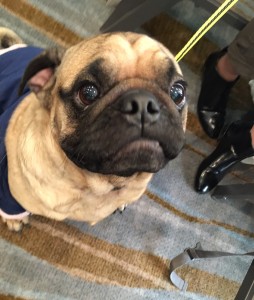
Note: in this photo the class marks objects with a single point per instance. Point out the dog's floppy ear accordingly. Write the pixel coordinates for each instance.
(40, 73)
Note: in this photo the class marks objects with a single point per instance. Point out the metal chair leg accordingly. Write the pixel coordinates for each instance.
(246, 291)
(241, 192)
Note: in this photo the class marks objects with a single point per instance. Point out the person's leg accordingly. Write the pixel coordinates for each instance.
(226, 69)
(241, 52)
(252, 136)
(221, 71)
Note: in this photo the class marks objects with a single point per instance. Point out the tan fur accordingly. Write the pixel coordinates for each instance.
(132, 60)
(45, 182)
(42, 179)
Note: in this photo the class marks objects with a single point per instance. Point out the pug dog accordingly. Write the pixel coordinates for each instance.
(83, 130)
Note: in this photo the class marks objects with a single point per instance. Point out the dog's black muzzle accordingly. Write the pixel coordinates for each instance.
(136, 133)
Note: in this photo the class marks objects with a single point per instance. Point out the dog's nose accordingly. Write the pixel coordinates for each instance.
(139, 106)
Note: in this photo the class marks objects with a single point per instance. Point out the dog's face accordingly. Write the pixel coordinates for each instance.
(116, 103)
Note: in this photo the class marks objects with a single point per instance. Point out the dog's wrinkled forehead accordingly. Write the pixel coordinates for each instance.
(124, 55)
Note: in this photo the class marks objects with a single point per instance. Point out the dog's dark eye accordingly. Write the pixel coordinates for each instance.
(88, 93)
(177, 94)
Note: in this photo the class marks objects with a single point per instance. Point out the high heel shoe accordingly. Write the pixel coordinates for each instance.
(234, 146)
(213, 96)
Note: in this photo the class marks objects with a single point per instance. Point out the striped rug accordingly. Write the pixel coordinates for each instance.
(127, 255)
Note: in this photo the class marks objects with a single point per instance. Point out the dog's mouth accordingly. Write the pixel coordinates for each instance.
(142, 155)
(138, 156)
(139, 147)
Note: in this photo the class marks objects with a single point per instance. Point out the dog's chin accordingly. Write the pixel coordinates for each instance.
(138, 156)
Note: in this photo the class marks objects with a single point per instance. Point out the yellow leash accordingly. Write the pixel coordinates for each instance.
(227, 4)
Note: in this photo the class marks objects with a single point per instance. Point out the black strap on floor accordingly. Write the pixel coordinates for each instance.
(191, 254)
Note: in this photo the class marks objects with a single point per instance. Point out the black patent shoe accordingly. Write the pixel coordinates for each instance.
(213, 97)
(234, 146)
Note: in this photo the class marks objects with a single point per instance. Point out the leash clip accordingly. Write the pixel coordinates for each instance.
(185, 257)
(192, 251)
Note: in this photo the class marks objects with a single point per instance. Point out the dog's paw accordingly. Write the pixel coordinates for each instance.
(16, 224)
(122, 208)
(8, 38)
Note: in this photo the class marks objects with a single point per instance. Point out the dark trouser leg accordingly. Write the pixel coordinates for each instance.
(215, 90)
